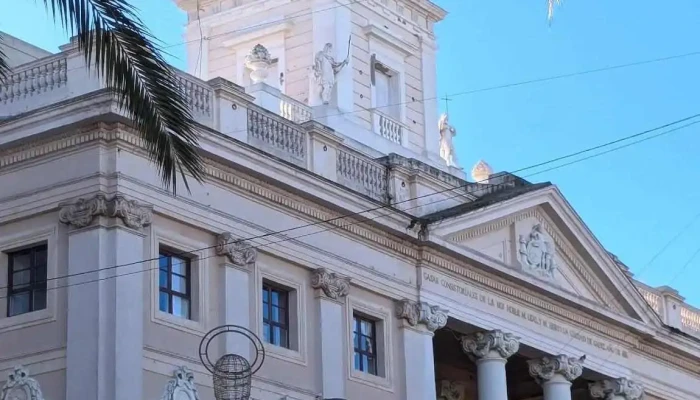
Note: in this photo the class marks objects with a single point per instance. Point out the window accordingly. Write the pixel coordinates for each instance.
(386, 90)
(365, 344)
(174, 281)
(275, 315)
(26, 289)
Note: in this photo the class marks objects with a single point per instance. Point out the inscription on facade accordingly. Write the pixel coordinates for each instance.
(526, 315)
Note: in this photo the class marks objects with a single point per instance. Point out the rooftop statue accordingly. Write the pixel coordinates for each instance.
(447, 148)
(325, 70)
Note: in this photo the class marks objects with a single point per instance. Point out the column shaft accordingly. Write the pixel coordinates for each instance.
(491, 376)
(332, 348)
(235, 296)
(490, 350)
(419, 364)
(557, 389)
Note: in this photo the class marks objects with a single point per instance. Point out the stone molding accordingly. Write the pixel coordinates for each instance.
(421, 313)
(126, 136)
(614, 389)
(481, 345)
(20, 385)
(545, 368)
(181, 386)
(333, 286)
(82, 212)
(237, 251)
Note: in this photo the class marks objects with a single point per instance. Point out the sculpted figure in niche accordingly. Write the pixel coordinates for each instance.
(447, 148)
(536, 253)
(325, 70)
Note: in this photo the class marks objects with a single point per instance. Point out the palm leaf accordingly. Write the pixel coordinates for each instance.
(4, 66)
(126, 55)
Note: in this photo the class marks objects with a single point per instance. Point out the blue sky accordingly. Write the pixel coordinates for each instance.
(636, 199)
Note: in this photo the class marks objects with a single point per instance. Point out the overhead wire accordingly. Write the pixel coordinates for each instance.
(254, 238)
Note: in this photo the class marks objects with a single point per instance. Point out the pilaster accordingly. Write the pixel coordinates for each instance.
(420, 321)
(238, 263)
(105, 297)
(331, 293)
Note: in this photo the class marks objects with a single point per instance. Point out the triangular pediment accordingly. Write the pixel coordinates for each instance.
(538, 234)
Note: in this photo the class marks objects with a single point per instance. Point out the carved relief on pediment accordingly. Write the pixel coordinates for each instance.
(536, 253)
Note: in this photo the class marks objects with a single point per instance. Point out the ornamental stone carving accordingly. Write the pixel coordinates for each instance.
(491, 344)
(20, 386)
(415, 313)
(259, 62)
(450, 390)
(181, 386)
(536, 253)
(82, 212)
(545, 368)
(237, 251)
(616, 389)
(332, 285)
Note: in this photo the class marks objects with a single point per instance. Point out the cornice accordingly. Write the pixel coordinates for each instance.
(119, 132)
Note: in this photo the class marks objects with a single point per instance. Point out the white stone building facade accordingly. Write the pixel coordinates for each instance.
(329, 225)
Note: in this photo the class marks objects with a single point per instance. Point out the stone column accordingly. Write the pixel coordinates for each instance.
(616, 389)
(104, 349)
(555, 374)
(235, 294)
(490, 351)
(419, 320)
(331, 291)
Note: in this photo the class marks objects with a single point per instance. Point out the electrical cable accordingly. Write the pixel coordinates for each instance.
(361, 221)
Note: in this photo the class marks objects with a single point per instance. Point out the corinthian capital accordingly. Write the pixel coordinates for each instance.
(83, 211)
(490, 344)
(237, 251)
(415, 313)
(545, 368)
(332, 285)
(614, 389)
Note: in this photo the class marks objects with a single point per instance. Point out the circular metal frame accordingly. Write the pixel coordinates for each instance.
(220, 330)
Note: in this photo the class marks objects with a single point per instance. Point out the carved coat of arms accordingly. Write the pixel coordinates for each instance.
(536, 253)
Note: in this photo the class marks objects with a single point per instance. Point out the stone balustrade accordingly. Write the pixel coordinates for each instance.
(276, 136)
(362, 174)
(198, 96)
(388, 127)
(34, 85)
(293, 110)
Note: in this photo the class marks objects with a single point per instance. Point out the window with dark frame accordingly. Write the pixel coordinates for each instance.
(275, 315)
(26, 288)
(174, 282)
(365, 344)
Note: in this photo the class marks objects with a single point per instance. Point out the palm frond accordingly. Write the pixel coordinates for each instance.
(550, 8)
(4, 65)
(127, 56)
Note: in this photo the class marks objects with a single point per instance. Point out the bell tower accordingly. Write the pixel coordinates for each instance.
(366, 68)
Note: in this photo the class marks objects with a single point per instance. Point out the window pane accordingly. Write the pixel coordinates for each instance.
(19, 303)
(163, 262)
(371, 366)
(367, 328)
(39, 300)
(284, 342)
(357, 362)
(179, 266)
(178, 284)
(365, 363)
(266, 295)
(266, 332)
(276, 335)
(275, 314)
(163, 302)
(163, 278)
(21, 278)
(181, 307)
(282, 299)
(40, 257)
(21, 261)
(275, 297)
(40, 274)
(356, 341)
(281, 316)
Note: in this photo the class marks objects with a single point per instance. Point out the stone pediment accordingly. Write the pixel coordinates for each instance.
(540, 235)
